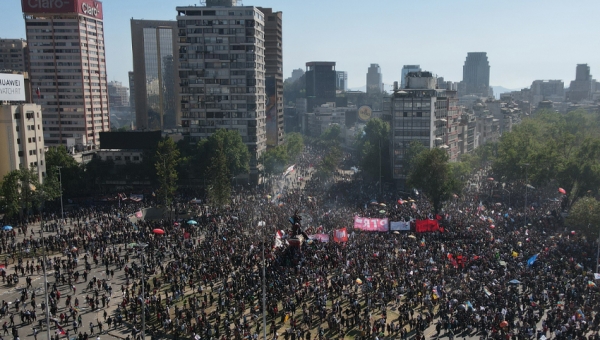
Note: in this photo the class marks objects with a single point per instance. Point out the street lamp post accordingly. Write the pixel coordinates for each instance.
(62, 212)
(526, 187)
(264, 294)
(47, 311)
(143, 247)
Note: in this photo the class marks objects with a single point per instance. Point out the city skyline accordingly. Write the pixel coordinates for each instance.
(521, 47)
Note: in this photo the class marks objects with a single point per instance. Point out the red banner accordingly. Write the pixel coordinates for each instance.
(340, 235)
(371, 224)
(423, 226)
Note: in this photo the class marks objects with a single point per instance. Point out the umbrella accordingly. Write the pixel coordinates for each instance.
(490, 179)
(396, 232)
(382, 204)
(562, 191)
(514, 282)
(7, 227)
(176, 223)
(504, 324)
(498, 204)
(158, 231)
(373, 203)
(412, 236)
(382, 211)
(74, 249)
(359, 281)
(400, 201)
(492, 226)
(192, 222)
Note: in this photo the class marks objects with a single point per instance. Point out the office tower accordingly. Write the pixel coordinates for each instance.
(582, 87)
(420, 112)
(553, 90)
(341, 83)
(68, 66)
(374, 79)
(222, 71)
(320, 83)
(14, 55)
(273, 76)
(21, 130)
(476, 74)
(406, 69)
(131, 98)
(154, 43)
(296, 74)
(117, 95)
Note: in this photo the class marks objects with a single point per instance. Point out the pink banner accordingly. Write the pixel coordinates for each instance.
(320, 237)
(371, 224)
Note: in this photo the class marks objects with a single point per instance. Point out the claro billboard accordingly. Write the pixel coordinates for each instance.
(12, 87)
(89, 8)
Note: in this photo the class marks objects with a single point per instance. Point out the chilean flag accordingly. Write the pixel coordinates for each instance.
(60, 330)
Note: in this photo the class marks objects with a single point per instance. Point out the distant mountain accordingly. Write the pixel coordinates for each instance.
(498, 90)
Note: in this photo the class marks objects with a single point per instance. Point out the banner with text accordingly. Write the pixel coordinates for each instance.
(340, 235)
(371, 224)
(319, 237)
(402, 226)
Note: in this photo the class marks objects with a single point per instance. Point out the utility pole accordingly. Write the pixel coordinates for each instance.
(380, 166)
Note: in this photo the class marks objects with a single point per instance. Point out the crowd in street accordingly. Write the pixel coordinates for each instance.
(500, 268)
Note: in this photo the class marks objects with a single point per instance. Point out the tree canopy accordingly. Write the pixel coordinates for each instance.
(584, 216)
(230, 142)
(167, 158)
(432, 173)
(373, 149)
(557, 147)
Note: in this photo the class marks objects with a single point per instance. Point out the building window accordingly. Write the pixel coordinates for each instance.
(20, 153)
(18, 140)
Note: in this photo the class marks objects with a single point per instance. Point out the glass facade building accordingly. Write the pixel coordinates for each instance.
(154, 71)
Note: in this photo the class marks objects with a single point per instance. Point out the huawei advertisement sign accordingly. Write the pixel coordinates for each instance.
(89, 8)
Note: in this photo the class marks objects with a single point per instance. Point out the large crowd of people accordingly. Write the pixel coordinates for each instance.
(500, 268)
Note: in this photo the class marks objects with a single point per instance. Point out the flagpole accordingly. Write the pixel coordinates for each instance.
(47, 311)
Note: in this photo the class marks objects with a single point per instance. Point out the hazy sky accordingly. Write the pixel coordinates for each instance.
(524, 40)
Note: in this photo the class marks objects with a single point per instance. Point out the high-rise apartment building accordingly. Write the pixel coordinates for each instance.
(14, 55)
(222, 69)
(274, 75)
(22, 139)
(154, 46)
(117, 94)
(68, 69)
(374, 79)
(476, 74)
(406, 69)
(320, 83)
(553, 90)
(341, 82)
(420, 112)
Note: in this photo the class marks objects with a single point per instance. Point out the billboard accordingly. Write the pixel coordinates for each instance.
(90, 8)
(12, 87)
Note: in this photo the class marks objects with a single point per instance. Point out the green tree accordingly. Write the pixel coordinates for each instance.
(71, 172)
(10, 193)
(167, 158)
(374, 149)
(584, 216)
(294, 144)
(219, 190)
(561, 148)
(415, 148)
(230, 142)
(275, 159)
(432, 173)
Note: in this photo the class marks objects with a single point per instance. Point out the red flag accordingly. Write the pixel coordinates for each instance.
(37, 91)
(340, 235)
